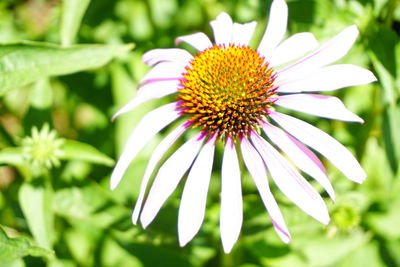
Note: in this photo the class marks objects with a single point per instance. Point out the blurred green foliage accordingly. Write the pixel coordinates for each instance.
(66, 215)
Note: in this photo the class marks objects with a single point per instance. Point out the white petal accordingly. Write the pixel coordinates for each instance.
(164, 71)
(290, 182)
(156, 56)
(148, 92)
(231, 216)
(199, 40)
(158, 153)
(194, 196)
(327, 79)
(242, 33)
(319, 105)
(300, 155)
(168, 178)
(149, 126)
(293, 47)
(256, 167)
(222, 28)
(333, 50)
(276, 28)
(323, 143)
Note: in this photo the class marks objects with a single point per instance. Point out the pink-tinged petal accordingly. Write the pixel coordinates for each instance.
(333, 50)
(158, 153)
(301, 156)
(194, 196)
(168, 178)
(276, 28)
(242, 33)
(164, 71)
(149, 126)
(323, 143)
(319, 105)
(156, 56)
(327, 79)
(199, 40)
(222, 28)
(256, 167)
(290, 182)
(231, 214)
(148, 92)
(309, 153)
(292, 48)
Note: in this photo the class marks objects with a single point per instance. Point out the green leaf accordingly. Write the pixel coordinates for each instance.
(123, 88)
(13, 263)
(23, 63)
(72, 14)
(35, 199)
(378, 184)
(323, 251)
(14, 156)
(14, 248)
(77, 202)
(391, 133)
(41, 94)
(393, 247)
(386, 224)
(74, 150)
(383, 47)
(11, 156)
(367, 255)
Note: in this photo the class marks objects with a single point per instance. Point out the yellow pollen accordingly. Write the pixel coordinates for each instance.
(227, 90)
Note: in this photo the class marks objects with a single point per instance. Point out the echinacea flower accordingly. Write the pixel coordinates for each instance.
(228, 92)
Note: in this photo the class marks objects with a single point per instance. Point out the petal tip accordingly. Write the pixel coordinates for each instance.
(177, 40)
(114, 181)
(224, 15)
(144, 221)
(227, 248)
(134, 217)
(287, 240)
(183, 241)
(333, 197)
(114, 117)
(324, 218)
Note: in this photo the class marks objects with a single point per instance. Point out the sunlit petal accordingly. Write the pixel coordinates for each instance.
(158, 153)
(242, 33)
(156, 56)
(231, 216)
(333, 50)
(148, 92)
(199, 40)
(222, 28)
(168, 177)
(164, 71)
(292, 48)
(323, 143)
(276, 28)
(194, 196)
(290, 182)
(256, 167)
(327, 79)
(301, 156)
(149, 126)
(319, 105)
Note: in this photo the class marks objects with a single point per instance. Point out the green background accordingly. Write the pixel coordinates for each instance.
(73, 63)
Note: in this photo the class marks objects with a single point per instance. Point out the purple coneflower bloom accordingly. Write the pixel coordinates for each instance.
(227, 92)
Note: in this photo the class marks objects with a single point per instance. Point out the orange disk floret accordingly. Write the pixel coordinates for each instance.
(227, 90)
